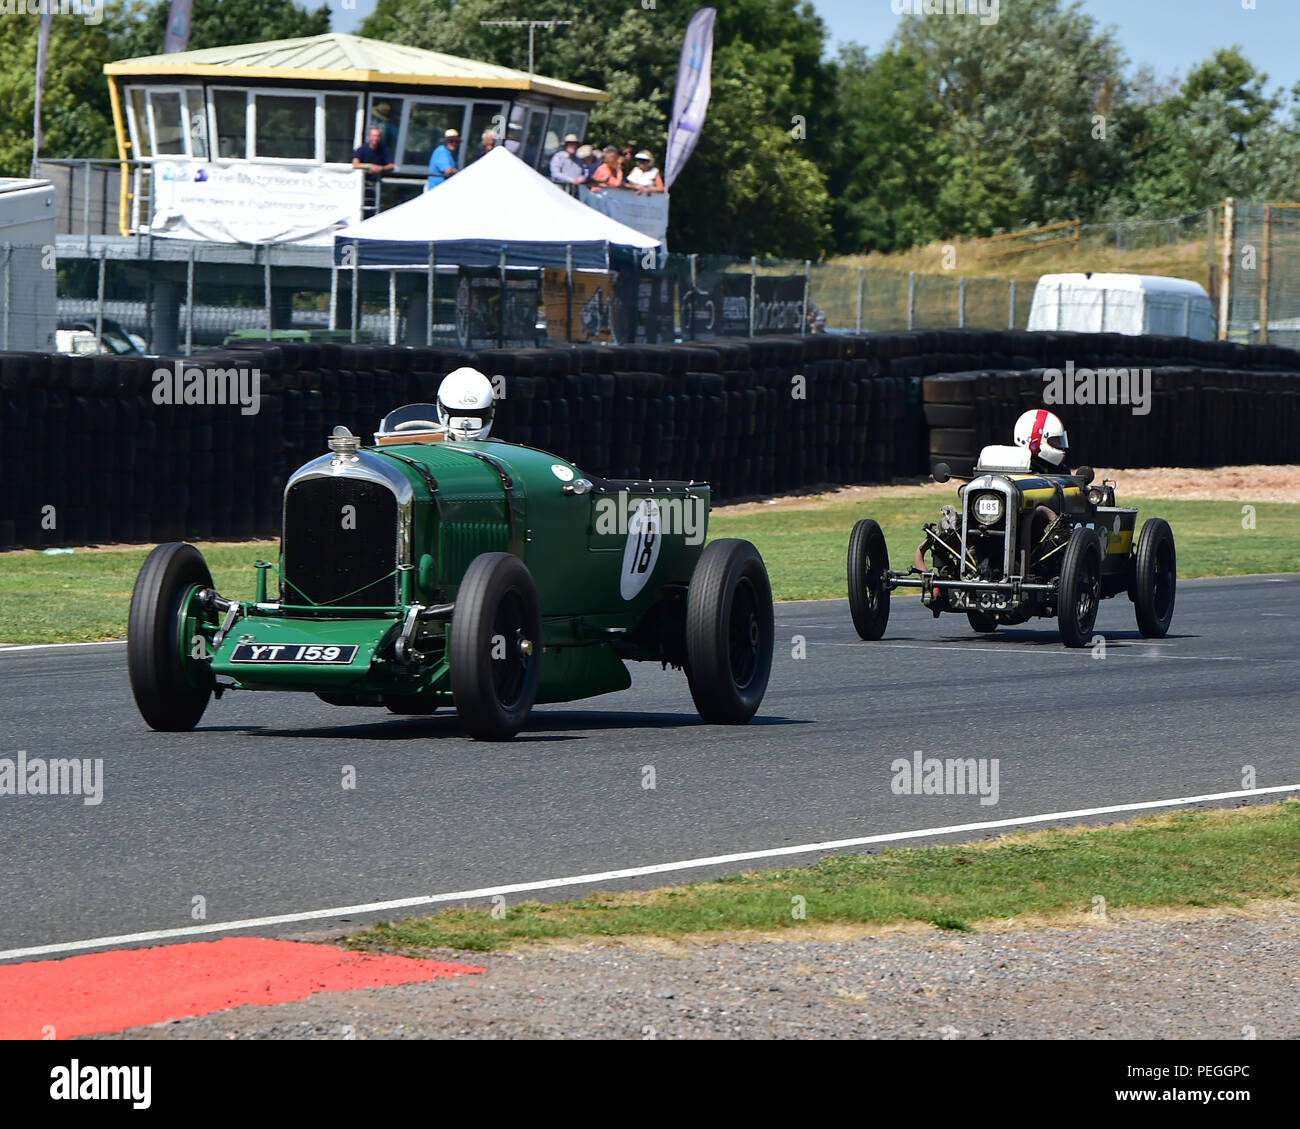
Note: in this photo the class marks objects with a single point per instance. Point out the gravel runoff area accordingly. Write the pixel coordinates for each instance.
(1165, 975)
(1214, 484)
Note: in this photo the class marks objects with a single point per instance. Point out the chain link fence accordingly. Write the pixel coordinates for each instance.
(179, 297)
(27, 296)
(1261, 260)
(176, 296)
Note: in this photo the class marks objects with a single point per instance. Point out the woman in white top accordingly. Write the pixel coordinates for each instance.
(645, 177)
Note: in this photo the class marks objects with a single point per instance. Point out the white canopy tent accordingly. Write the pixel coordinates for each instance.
(495, 205)
(1122, 303)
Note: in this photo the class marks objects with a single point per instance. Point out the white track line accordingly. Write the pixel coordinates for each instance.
(7, 648)
(614, 875)
(1074, 652)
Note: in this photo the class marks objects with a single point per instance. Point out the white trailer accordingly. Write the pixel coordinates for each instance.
(1122, 303)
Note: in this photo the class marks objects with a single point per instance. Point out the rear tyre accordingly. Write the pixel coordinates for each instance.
(984, 623)
(729, 632)
(171, 689)
(868, 592)
(1080, 587)
(496, 647)
(1155, 578)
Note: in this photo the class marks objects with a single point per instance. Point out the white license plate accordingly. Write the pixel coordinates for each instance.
(987, 507)
(292, 653)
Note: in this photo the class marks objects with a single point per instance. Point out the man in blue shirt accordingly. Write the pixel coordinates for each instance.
(442, 165)
(373, 156)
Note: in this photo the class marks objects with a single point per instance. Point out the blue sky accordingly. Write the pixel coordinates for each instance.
(1170, 35)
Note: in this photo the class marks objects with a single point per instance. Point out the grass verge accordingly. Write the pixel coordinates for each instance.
(85, 596)
(1181, 260)
(1178, 859)
(805, 549)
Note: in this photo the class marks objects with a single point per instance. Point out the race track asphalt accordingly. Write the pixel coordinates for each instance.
(249, 813)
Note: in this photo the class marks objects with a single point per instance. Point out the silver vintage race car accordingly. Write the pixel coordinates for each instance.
(1025, 540)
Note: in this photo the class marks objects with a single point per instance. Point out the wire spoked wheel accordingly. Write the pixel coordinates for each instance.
(1079, 594)
(1155, 578)
(868, 565)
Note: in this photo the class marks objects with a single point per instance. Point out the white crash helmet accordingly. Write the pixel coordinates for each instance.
(465, 404)
(1043, 433)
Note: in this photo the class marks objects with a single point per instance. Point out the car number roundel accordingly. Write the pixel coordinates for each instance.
(644, 536)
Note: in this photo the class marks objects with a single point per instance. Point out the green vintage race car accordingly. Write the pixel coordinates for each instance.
(423, 572)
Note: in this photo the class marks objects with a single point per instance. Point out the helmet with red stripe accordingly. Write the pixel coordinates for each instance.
(1044, 434)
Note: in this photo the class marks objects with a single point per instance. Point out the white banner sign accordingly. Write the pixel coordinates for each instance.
(647, 214)
(246, 202)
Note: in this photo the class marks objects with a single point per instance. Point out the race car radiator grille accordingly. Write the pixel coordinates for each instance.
(465, 540)
(340, 543)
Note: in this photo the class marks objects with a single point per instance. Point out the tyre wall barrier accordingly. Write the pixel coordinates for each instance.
(90, 456)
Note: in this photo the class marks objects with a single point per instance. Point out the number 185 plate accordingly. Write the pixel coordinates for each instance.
(292, 653)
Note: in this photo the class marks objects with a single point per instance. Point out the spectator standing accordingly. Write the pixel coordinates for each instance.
(589, 161)
(489, 142)
(609, 173)
(566, 169)
(625, 160)
(443, 164)
(645, 178)
(373, 156)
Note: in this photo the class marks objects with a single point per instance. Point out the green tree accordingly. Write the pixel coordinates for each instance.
(139, 26)
(1040, 87)
(1246, 106)
(1218, 134)
(75, 114)
(894, 175)
(748, 190)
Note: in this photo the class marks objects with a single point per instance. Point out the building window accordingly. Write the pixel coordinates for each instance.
(534, 136)
(168, 122)
(340, 128)
(425, 127)
(484, 116)
(386, 113)
(139, 125)
(562, 124)
(197, 116)
(286, 126)
(231, 108)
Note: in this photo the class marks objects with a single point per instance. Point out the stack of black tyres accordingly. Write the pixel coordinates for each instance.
(91, 457)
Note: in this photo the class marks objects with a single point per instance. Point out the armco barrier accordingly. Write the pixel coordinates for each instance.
(88, 456)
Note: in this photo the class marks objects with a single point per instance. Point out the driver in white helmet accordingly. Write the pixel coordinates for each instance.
(1042, 434)
(465, 404)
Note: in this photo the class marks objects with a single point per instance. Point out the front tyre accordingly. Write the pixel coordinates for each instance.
(729, 632)
(496, 647)
(868, 588)
(171, 688)
(1155, 578)
(1080, 587)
